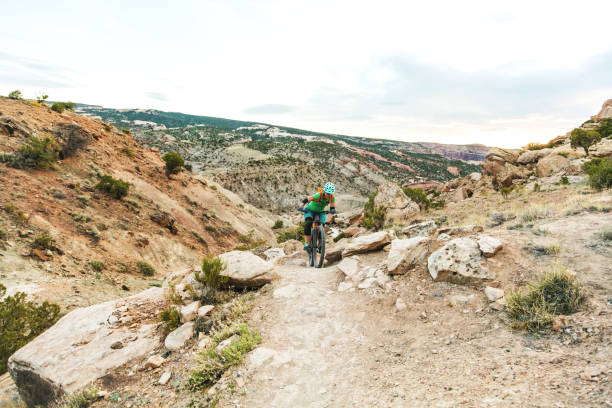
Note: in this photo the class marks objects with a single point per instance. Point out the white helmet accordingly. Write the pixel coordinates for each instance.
(329, 188)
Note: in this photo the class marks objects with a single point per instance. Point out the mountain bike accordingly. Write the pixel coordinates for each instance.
(316, 254)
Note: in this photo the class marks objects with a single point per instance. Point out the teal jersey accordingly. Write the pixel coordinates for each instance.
(318, 206)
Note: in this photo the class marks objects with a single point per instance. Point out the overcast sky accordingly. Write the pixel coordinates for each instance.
(488, 72)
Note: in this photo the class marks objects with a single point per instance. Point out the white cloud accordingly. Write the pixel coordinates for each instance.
(326, 60)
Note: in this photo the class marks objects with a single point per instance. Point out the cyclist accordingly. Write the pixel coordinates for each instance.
(315, 204)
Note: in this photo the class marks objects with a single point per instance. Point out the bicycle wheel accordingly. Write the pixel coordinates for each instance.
(313, 248)
(320, 248)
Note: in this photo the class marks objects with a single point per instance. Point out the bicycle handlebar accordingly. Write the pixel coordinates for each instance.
(302, 209)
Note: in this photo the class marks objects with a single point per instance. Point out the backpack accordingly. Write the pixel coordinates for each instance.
(321, 191)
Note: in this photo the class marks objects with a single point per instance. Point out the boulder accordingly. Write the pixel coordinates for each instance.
(506, 155)
(350, 268)
(273, 254)
(189, 312)
(489, 245)
(77, 350)
(475, 177)
(244, 269)
(462, 193)
(176, 339)
(532, 156)
(551, 164)
(406, 254)
(398, 207)
(368, 243)
(458, 261)
(292, 246)
(352, 231)
(602, 149)
(420, 229)
(205, 310)
(334, 252)
(606, 110)
(465, 229)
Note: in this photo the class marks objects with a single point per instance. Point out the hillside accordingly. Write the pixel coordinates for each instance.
(270, 166)
(169, 223)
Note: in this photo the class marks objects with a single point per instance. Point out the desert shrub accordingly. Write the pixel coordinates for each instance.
(606, 234)
(72, 140)
(563, 154)
(174, 162)
(600, 172)
(213, 364)
(16, 94)
(210, 275)
(171, 317)
(418, 196)
(43, 241)
(129, 152)
(115, 187)
(339, 236)
(145, 268)
(584, 138)
(59, 107)
(536, 146)
(97, 266)
(188, 167)
(506, 191)
(373, 217)
(605, 127)
(42, 98)
(38, 153)
(534, 213)
(278, 224)
(554, 293)
(21, 321)
(108, 127)
(564, 181)
(126, 131)
(537, 187)
(80, 399)
(544, 249)
(295, 233)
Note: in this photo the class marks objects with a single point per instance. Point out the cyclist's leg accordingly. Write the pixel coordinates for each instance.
(308, 217)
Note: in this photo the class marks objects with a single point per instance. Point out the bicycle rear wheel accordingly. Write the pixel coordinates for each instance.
(320, 248)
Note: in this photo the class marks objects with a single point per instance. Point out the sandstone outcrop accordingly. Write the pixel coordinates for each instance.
(398, 207)
(405, 254)
(244, 269)
(368, 243)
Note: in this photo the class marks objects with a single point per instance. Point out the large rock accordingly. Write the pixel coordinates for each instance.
(532, 156)
(398, 207)
(244, 269)
(176, 339)
(489, 245)
(420, 229)
(551, 164)
(458, 261)
(350, 268)
(606, 110)
(368, 243)
(273, 254)
(334, 252)
(506, 155)
(85, 345)
(602, 149)
(406, 254)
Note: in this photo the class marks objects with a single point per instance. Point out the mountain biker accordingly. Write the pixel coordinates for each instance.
(315, 204)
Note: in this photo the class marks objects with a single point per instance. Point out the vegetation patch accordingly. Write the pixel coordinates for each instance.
(423, 199)
(174, 162)
(97, 266)
(39, 153)
(542, 249)
(79, 399)
(554, 293)
(210, 275)
(214, 363)
(584, 138)
(21, 321)
(16, 94)
(339, 236)
(59, 107)
(373, 218)
(43, 241)
(278, 224)
(533, 214)
(145, 268)
(296, 233)
(600, 172)
(171, 317)
(115, 187)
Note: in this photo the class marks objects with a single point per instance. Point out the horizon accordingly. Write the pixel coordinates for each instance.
(497, 75)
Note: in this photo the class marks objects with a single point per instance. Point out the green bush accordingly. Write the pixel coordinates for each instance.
(21, 321)
(16, 94)
(174, 162)
(115, 187)
(213, 364)
(418, 196)
(297, 233)
(145, 268)
(564, 181)
(188, 167)
(373, 218)
(171, 317)
(97, 266)
(584, 138)
(108, 127)
(506, 191)
(43, 241)
(600, 172)
(605, 127)
(126, 131)
(278, 224)
(210, 275)
(555, 293)
(59, 107)
(128, 151)
(339, 236)
(37, 153)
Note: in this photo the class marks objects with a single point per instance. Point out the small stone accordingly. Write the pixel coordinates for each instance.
(344, 286)
(103, 394)
(493, 293)
(189, 312)
(177, 339)
(165, 377)
(205, 310)
(225, 343)
(154, 361)
(489, 245)
(368, 283)
(117, 345)
(400, 304)
(204, 342)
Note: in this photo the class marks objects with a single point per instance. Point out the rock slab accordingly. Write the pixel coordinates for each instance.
(489, 245)
(176, 340)
(406, 254)
(368, 243)
(77, 349)
(458, 261)
(245, 269)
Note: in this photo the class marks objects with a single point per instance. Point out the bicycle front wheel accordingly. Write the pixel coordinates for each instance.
(313, 248)
(320, 248)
